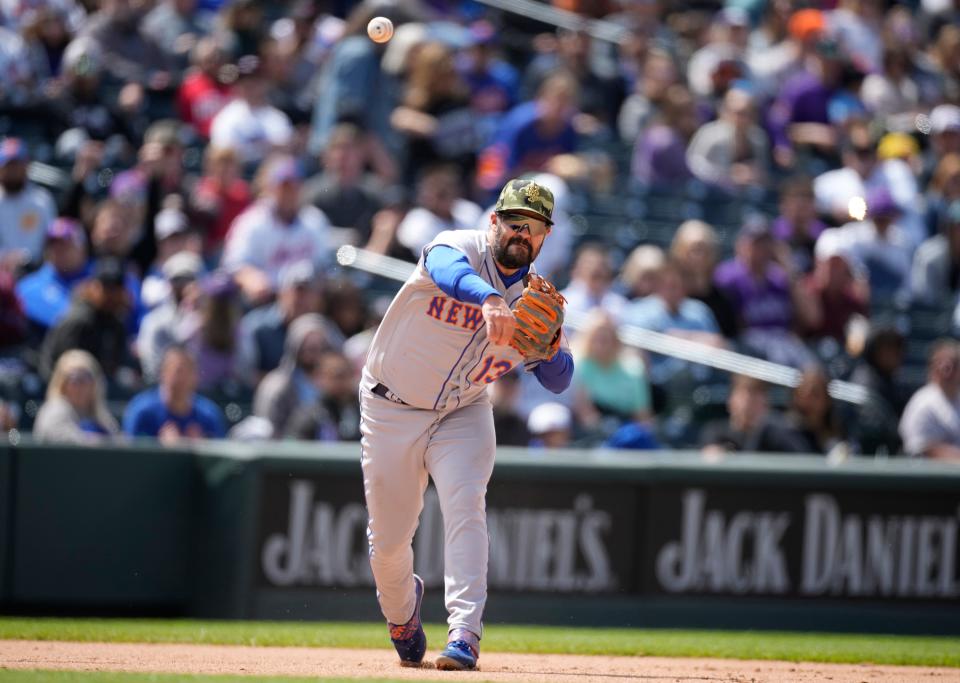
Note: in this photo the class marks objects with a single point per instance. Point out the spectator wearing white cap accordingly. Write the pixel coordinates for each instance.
(25, 209)
(550, 426)
(878, 242)
(945, 129)
(174, 235)
(275, 231)
(944, 137)
(158, 331)
(839, 192)
(727, 39)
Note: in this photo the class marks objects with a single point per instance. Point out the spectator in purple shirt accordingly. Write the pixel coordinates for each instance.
(763, 286)
(799, 116)
(211, 331)
(659, 158)
(798, 225)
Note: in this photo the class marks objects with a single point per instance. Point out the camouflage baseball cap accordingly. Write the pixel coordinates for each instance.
(528, 198)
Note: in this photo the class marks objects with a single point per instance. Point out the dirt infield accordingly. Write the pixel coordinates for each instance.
(515, 668)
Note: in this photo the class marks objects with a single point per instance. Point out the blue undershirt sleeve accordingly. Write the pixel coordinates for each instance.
(555, 374)
(451, 271)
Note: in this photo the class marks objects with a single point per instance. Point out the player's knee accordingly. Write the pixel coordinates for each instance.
(389, 550)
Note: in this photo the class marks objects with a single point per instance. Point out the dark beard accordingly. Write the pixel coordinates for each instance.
(508, 260)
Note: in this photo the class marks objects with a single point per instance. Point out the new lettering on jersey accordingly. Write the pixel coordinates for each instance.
(467, 316)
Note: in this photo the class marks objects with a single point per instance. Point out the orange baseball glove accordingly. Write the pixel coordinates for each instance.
(539, 315)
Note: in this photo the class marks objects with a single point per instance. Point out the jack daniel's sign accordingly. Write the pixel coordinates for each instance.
(312, 535)
(812, 544)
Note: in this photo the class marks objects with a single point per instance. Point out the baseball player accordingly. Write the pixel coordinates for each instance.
(448, 333)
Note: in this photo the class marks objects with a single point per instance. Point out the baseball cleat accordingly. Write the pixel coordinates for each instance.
(458, 655)
(409, 639)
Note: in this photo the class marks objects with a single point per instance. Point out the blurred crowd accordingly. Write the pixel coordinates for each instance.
(176, 177)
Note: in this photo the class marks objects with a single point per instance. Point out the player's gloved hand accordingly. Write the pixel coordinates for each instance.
(539, 315)
(499, 319)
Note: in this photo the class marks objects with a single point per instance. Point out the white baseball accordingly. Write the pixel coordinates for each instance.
(380, 29)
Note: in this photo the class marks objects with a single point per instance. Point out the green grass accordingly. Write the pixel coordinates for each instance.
(813, 647)
(8, 676)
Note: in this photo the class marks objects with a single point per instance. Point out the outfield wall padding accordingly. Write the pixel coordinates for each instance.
(277, 531)
(102, 528)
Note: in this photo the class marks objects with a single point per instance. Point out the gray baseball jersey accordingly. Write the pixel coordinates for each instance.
(432, 350)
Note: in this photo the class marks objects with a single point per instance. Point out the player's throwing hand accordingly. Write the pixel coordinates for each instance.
(499, 319)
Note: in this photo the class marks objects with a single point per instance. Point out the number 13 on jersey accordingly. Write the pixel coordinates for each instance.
(492, 370)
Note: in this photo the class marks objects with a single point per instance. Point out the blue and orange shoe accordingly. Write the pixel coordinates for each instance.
(409, 639)
(461, 653)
